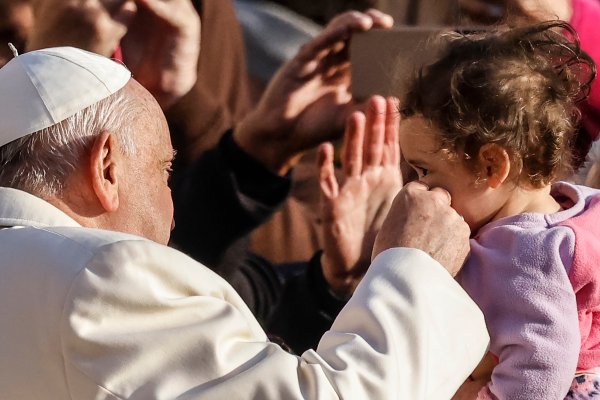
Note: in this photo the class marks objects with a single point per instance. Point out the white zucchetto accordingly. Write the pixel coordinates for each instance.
(43, 87)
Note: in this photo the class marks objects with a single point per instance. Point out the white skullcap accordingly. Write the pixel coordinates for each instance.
(43, 87)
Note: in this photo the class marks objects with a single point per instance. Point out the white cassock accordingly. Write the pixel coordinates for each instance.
(93, 314)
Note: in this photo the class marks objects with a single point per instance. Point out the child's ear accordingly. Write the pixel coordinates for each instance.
(494, 163)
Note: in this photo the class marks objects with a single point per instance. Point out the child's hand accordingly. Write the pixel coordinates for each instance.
(474, 387)
(473, 390)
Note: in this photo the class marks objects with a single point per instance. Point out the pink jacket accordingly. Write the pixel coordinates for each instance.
(535, 276)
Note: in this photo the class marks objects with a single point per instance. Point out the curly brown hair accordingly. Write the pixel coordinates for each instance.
(516, 87)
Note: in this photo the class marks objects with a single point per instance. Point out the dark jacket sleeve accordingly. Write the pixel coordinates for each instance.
(306, 308)
(219, 199)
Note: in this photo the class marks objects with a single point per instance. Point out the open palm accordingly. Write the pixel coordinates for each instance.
(352, 212)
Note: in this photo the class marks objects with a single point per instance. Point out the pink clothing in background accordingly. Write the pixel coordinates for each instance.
(585, 20)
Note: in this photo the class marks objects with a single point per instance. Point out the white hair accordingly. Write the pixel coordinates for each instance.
(42, 162)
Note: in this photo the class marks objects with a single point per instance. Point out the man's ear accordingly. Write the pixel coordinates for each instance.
(494, 163)
(103, 171)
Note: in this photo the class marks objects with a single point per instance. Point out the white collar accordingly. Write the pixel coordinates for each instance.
(19, 208)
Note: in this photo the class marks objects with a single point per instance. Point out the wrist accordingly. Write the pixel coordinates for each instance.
(264, 145)
(341, 284)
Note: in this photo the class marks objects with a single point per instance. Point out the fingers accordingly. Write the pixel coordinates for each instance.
(176, 13)
(350, 21)
(327, 180)
(423, 219)
(416, 186)
(372, 142)
(380, 19)
(375, 131)
(339, 30)
(89, 25)
(125, 12)
(437, 193)
(391, 149)
(352, 158)
(443, 195)
(115, 6)
(159, 8)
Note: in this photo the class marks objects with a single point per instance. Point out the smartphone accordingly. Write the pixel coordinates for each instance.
(383, 61)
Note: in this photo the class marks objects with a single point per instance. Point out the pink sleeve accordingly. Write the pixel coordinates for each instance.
(586, 283)
(518, 278)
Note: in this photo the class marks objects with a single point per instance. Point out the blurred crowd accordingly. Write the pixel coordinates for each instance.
(258, 201)
(244, 43)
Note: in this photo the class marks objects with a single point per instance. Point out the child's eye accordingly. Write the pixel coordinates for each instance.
(422, 172)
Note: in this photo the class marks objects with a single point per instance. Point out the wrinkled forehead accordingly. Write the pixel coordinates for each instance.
(152, 128)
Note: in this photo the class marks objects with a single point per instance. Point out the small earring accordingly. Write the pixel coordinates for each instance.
(479, 180)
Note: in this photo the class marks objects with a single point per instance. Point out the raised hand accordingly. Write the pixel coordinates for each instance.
(93, 25)
(160, 39)
(308, 100)
(161, 48)
(352, 212)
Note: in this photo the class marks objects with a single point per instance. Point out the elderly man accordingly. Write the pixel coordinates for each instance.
(95, 306)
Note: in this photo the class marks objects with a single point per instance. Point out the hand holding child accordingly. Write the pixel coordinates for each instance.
(423, 219)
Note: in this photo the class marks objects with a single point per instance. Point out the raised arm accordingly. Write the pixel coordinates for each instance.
(409, 331)
(160, 40)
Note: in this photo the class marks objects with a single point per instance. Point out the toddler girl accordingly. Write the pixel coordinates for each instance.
(491, 121)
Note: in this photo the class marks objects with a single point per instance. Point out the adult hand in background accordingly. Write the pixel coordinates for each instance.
(493, 11)
(308, 100)
(352, 212)
(160, 39)
(93, 25)
(161, 48)
(423, 219)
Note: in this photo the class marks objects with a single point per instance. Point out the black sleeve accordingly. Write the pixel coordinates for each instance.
(219, 199)
(306, 308)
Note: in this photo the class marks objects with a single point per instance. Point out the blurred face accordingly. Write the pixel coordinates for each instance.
(145, 196)
(16, 18)
(471, 198)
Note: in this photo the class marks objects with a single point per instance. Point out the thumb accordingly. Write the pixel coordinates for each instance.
(443, 194)
(123, 12)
